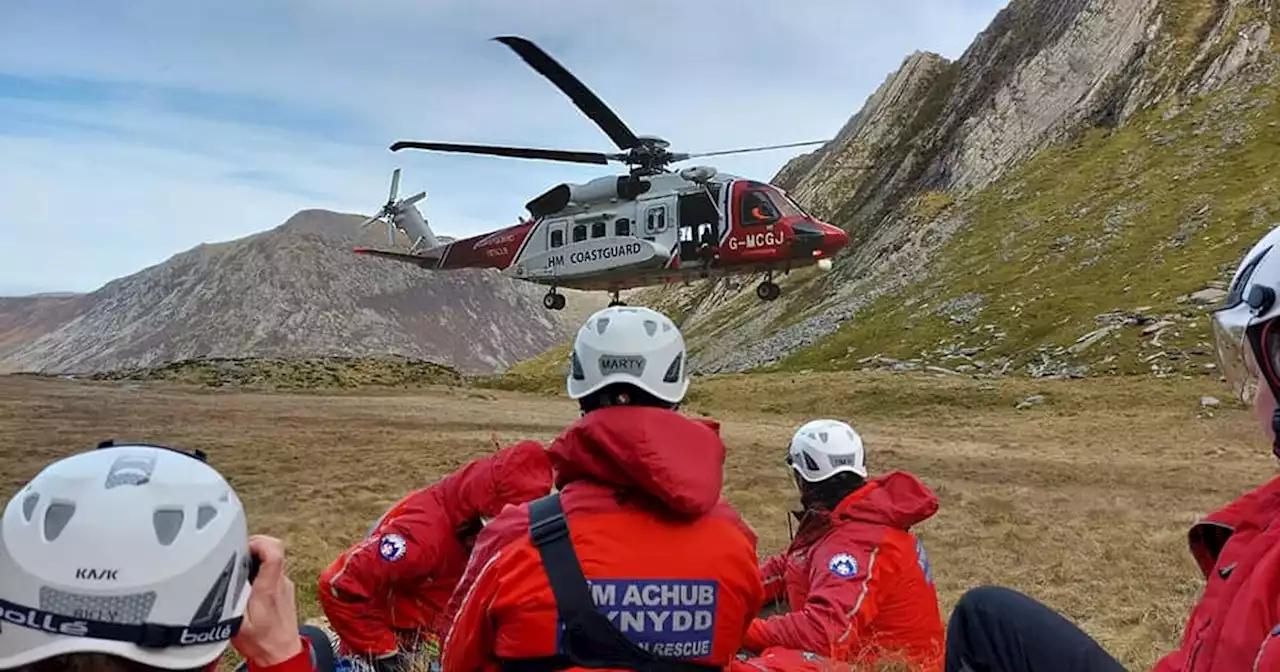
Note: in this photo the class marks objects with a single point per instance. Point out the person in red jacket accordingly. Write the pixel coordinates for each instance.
(856, 580)
(386, 595)
(672, 568)
(1236, 623)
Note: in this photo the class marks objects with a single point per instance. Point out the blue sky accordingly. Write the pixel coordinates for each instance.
(135, 129)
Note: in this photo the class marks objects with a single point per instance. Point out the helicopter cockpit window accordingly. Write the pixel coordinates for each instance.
(557, 237)
(579, 233)
(758, 209)
(622, 227)
(598, 229)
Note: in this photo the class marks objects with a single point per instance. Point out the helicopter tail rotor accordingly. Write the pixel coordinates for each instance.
(403, 215)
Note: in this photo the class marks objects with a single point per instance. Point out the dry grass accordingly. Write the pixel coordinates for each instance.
(1082, 502)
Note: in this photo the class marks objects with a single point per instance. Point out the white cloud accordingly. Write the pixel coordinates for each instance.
(216, 120)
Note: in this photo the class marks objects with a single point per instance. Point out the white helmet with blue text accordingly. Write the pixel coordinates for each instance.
(821, 449)
(626, 344)
(135, 551)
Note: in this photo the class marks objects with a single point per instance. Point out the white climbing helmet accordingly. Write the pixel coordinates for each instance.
(625, 344)
(1244, 328)
(120, 546)
(821, 449)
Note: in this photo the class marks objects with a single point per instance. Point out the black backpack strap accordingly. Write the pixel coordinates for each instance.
(588, 639)
(549, 533)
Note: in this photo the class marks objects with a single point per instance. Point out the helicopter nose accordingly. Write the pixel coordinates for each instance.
(833, 237)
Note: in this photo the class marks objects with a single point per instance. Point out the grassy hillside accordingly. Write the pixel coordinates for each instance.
(1083, 260)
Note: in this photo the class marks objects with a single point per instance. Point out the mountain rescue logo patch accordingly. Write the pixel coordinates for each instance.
(843, 565)
(392, 547)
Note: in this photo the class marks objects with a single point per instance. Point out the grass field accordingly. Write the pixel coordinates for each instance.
(1082, 501)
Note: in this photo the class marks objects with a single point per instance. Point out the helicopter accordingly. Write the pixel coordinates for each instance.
(650, 226)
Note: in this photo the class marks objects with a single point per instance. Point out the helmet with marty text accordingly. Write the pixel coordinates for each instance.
(633, 345)
(135, 551)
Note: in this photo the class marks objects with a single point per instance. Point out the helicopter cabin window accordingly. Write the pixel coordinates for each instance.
(757, 209)
(598, 229)
(556, 237)
(622, 227)
(655, 219)
(579, 233)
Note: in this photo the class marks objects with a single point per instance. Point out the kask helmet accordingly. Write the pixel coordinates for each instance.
(136, 551)
(821, 449)
(625, 344)
(1244, 328)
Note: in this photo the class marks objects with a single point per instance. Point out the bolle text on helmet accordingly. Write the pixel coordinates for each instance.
(628, 364)
(43, 620)
(218, 633)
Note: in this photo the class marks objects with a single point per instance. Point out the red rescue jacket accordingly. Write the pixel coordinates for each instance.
(1236, 623)
(858, 582)
(640, 489)
(400, 577)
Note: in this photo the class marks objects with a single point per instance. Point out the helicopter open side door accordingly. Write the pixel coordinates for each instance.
(700, 224)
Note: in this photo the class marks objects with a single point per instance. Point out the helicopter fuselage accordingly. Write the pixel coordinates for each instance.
(600, 236)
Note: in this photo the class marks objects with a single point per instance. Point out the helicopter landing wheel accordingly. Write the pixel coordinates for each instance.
(553, 301)
(768, 290)
(616, 301)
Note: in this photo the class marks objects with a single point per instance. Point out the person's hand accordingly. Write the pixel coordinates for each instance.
(269, 632)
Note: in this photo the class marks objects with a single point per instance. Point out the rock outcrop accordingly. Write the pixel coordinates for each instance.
(294, 291)
(939, 144)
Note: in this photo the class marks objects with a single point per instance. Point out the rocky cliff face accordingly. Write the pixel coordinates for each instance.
(296, 290)
(952, 166)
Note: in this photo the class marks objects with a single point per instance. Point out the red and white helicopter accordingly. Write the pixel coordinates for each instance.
(651, 226)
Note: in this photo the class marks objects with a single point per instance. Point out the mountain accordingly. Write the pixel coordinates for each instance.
(1065, 198)
(294, 291)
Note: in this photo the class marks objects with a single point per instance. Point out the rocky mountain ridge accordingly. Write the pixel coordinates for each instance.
(294, 291)
(1082, 159)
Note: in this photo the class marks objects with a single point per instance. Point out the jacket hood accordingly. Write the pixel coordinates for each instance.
(897, 499)
(1208, 536)
(669, 458)
(482, 487)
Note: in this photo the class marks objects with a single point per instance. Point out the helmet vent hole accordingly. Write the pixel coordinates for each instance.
(602, 324)
(167, 523)
(650, 327)
(56, 518)
(824, 436)
(673, 372)
(809, 463)
(29, 505)
(205, 515)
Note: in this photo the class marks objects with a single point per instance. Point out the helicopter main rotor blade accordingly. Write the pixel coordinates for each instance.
(752, 149)
(588, 102)
(513, 152)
